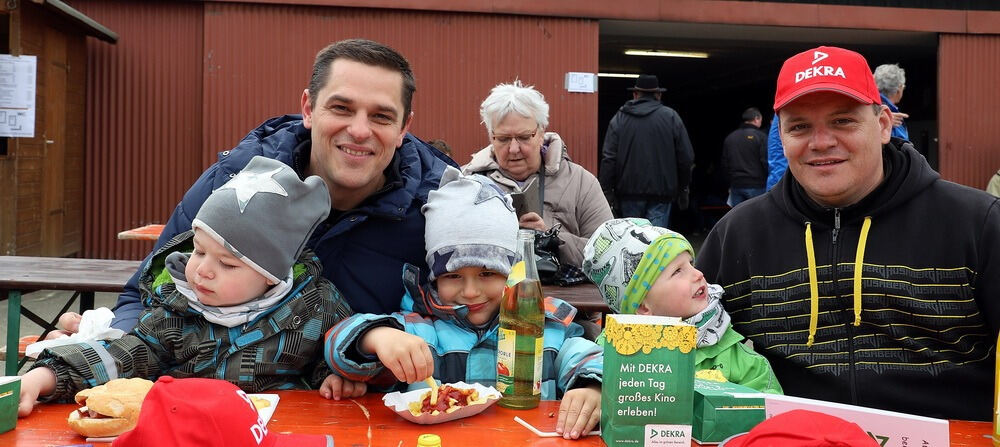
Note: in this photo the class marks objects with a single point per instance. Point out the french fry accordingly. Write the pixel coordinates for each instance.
(434, 389)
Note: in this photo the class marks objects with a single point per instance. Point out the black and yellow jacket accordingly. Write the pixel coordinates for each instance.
(280, 349)
(891, 303)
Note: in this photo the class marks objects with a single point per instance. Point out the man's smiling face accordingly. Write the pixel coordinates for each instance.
(357, 121)
(834, 146)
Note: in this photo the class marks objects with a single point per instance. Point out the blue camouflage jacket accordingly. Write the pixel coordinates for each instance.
(279, 349)
(461, 351)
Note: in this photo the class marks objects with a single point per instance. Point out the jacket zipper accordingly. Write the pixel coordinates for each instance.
(835, 264)
(836, 224)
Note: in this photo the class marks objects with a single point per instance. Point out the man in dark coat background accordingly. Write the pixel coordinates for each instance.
(744, 158)
(647, 156)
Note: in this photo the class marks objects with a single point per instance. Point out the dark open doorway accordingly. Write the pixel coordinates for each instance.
(740, 72)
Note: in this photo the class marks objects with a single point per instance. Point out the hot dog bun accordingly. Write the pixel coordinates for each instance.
(110, 409)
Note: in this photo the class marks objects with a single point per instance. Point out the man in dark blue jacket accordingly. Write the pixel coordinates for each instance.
(353, 134)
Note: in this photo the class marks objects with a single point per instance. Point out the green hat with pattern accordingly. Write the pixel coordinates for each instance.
(625, 256)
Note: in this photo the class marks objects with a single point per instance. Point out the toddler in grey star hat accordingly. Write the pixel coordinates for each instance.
(448, 327)
(235, 298)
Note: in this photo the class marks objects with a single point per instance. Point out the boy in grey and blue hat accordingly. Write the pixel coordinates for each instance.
(448, 327)
(648, 270)
(235, 298)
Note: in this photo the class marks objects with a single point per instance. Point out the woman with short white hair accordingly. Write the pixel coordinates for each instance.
(520, 149)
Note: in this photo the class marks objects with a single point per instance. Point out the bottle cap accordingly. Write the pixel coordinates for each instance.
(428, 440)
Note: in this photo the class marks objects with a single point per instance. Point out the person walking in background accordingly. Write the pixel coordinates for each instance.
(744, 158)
(891, 80)
(647, 156)
(777, 164)
(831, 279)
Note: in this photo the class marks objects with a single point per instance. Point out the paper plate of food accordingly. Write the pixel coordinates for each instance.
(265, 404)
(442, 403)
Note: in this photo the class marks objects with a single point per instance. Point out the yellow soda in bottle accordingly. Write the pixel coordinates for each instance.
(520, 336)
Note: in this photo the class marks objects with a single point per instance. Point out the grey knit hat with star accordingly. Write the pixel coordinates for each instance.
(470, 222)
(264, 215)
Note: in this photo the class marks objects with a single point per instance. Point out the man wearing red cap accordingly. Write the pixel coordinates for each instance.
(863, 276)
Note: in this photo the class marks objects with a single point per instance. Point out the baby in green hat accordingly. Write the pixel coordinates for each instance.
(647, 270)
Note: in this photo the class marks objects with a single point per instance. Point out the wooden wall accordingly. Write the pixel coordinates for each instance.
(41, 191)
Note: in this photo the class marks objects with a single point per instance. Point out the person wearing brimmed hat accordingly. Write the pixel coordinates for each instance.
(647, 156)
(448, 326)
(237, 289)
(862, 276)
(647, 270)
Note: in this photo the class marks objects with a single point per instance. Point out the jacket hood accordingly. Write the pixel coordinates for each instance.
(553, 152)
(641, 106)
(157, 275)
(424, 300)
(907, 173)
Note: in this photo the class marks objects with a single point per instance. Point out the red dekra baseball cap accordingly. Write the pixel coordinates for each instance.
(803, 428)
(205, 412)
(826, 69)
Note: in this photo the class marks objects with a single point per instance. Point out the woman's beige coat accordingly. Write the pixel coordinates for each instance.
(573, 197)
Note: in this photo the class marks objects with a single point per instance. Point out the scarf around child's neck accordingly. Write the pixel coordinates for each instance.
(713, 320)
(228, 316)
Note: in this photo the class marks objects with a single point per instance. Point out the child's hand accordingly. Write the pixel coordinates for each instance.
(337, 387)
(70, 324)
(34, 383)
(579, 411)
(406, 355)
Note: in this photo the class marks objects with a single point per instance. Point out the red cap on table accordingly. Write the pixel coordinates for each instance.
(205, 412)
(826, 69)
(803, 428)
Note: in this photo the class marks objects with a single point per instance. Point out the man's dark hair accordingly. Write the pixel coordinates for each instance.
(366, 52)
(752, 114)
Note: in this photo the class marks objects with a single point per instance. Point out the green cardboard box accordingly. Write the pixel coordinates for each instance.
(10, 394)
(718, 414)
(648, 381)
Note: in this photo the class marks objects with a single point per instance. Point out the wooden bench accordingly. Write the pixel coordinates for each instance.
(24, 274)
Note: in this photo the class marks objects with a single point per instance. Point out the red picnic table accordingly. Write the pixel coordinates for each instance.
(149, 232)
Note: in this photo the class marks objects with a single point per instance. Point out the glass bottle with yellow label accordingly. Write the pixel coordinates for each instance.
(520, 337)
